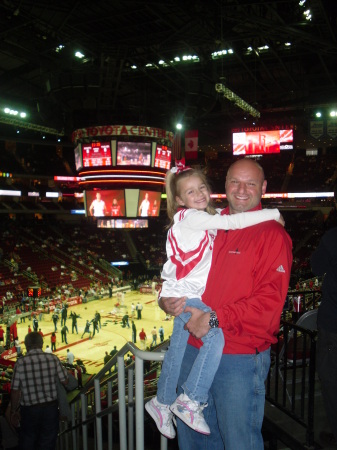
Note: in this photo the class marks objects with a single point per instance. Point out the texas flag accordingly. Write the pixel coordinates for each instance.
(191, 144)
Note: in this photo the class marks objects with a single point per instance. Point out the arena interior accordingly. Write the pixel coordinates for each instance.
(255, 79)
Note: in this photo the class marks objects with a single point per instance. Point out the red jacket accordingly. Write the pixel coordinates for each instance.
(247, 285)
(142, 335)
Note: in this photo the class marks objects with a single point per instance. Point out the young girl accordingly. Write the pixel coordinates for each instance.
(189, 250)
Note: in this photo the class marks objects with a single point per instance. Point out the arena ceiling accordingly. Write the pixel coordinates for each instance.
(276, 60)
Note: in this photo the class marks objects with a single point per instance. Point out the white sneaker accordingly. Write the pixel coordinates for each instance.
(190, 412)
(162, 415)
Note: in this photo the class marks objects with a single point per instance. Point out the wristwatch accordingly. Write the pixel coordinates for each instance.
(213, 320)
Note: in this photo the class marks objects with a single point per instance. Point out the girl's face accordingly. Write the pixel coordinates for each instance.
(193, 193)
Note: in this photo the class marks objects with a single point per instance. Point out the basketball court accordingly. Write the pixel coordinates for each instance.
(92, 351)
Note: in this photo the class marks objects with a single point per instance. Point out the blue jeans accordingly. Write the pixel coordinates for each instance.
(39, 427)
(235, 405)
(199, 378)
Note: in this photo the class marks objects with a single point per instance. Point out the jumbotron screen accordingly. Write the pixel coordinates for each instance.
(96, 154)
(163, 157)
(149, 204)
(262, 142)
(133, 153)
(105, 203)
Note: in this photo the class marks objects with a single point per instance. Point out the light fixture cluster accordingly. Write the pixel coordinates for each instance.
(307, 12)
(15, 113)
(238, 101)
(221, 53)
(332, 113)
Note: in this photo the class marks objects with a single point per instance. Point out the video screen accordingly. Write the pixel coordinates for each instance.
(163, 157)
(262, 142)
(107, 203)
(78, 157)
(134, 153)
(96, 154)
(149, 204)
(122, 223)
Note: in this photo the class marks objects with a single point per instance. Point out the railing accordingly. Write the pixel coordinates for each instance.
(121, 398)
(291, 380)
(290, 388)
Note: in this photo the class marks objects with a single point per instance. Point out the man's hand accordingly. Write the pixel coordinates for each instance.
(172, 305)
(198, 325)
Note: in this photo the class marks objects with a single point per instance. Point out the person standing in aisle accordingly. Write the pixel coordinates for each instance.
(35, 410)
(324, 263)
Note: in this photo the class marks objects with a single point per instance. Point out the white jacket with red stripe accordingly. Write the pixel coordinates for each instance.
(189, 247)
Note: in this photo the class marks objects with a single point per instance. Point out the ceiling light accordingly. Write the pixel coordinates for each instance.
(59, 48)
(318, 114)
(79, 55)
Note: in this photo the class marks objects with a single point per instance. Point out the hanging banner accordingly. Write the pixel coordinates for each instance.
(316, 128)
(331, 128)
(191, 144)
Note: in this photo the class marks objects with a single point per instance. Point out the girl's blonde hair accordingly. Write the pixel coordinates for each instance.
(172, 191)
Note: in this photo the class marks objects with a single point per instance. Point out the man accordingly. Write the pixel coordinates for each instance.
(74, 318)
(134, 332)
(64, 331)
(161, 333)
(98, 318)
(324, 261)
(246, 289)
(64, 314)
(95, 326)
(97, 207)
(154, 336)
(107, 358)
(55, 318)
(87, 329)
(115, 208)
(125, 321)
(35, 324)
(113, 353)
(70, 357)
(142, 338)
(144, 206)
(139, 308)
(36, 409)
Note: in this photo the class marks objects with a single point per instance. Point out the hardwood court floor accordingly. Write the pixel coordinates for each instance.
(92, 351)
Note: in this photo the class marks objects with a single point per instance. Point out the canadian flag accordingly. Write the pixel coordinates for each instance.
(191, 144)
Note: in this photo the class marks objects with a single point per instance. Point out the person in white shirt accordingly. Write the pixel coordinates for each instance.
(144, 206)
(97, 207)
(70, 357)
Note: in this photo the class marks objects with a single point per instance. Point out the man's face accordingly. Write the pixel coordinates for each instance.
(244, 186)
